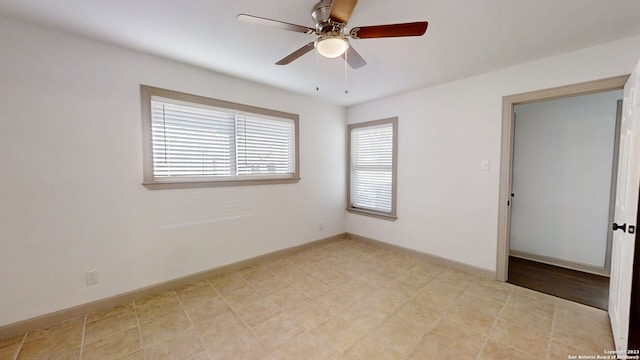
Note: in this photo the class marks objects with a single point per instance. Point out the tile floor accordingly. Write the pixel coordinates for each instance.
(339, 300)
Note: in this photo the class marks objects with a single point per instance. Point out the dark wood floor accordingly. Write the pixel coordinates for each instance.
(588, 289)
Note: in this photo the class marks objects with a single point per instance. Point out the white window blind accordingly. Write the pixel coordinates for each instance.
(265, 146)
(372, 168)
(191, 142)
(203, 142)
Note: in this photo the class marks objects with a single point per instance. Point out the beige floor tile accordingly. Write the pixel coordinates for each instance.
(368, 348)
(53, 340)
(255, 273)
(114, 311)
(386, 300)
(157, 305)
(494, 350)
(418, 276)
(337, 333)
(293, 275)
(44, 348)
(486, 305)
(164, 327)
(403, 261)
(201, 356)
(520, 301)
(221, 327)
(310, 267)
(305, 346)
(434, 300)
(192, 286)
(136, 355)
(465, 340)
(243, 345)
(107, 326)
(490, 288)
(534, 315)
(207, 311)
(358, 289)
(537, 296)
(196, 297)
(401, 288)
(452, 286)
(9, 347)
(279, 266)
(562, 351)
(458, 277)
(361, 316)
(70, 329)
(258, 311)
(411, 310)
(309, 285)
(278, 330)
(389, 268)
(582, 327)
(289, 298)
(69, 355)
(243, 296)
(271, 285)
(336, 300)
(471, 319)
(113, 347)
(375, 279)
(331, 277)
(228, 282)
(403, 330)
(430, 348)
(339, 300)
(311, 314)
(179, 346)
(520, 337)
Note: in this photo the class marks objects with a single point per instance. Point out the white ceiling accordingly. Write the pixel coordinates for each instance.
(465, 37)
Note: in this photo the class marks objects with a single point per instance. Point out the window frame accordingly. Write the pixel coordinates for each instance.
(394, 169)
(153, 183)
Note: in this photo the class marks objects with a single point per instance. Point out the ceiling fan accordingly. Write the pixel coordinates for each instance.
(330, 17)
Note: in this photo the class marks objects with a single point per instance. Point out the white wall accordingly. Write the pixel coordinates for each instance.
(563, 156)
(71, 198)
(448, 206)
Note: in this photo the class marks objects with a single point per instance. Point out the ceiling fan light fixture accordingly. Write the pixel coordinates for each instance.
(332, 47)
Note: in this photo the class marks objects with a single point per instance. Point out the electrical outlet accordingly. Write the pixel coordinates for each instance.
(91, 277)
(321, 226)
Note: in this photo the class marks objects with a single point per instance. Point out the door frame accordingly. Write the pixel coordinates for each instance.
(506, 154)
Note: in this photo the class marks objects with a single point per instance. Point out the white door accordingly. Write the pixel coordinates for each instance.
(626, 209)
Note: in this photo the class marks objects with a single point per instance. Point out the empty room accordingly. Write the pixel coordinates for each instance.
(217, 179)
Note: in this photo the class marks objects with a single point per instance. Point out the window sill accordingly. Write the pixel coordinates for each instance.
(163, 185)
(372, 214)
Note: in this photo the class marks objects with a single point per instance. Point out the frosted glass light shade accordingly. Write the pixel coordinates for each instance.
(332, 47)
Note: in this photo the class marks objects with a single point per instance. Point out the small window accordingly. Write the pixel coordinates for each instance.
(193, 141)
(372, 151)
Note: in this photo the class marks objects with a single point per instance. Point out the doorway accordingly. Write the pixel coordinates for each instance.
(563, 180)
(509, 102)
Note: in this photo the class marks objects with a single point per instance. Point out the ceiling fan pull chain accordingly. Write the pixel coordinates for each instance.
(317, 77)
(346, 55)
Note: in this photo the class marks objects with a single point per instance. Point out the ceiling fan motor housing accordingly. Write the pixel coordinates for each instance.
(321, 17)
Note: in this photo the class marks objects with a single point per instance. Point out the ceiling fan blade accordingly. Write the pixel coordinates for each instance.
(354, 59)
(256, 20)
(296, 54)
(392, 30)
(341, 10)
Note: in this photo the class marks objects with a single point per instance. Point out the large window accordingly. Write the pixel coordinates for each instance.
(193, 141)
(372, 151)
